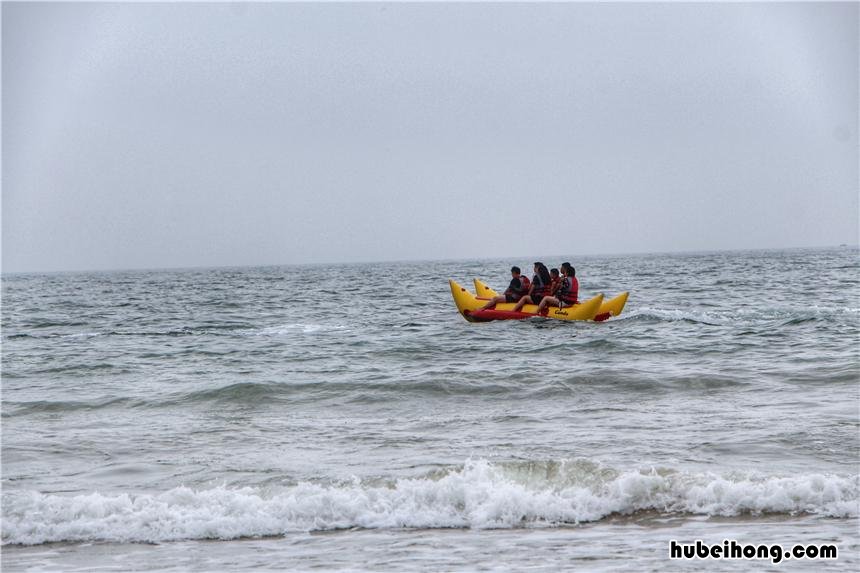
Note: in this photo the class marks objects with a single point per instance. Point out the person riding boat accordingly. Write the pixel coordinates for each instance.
(540, 287)
(517, 289)
(568, 291)
(556, 281)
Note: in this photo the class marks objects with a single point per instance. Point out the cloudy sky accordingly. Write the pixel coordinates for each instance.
(163, 135)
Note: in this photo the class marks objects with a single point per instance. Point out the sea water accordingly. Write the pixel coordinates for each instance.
(346, 417)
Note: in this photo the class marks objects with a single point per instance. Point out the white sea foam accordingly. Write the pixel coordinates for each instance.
(81, 335)
(478, 495)
(735, 316)
(304, 328)
(675, 315)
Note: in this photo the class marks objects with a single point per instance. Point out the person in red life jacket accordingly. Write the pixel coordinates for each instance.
(540, 287)
(567, 293)
(516, 290)
(556, 281)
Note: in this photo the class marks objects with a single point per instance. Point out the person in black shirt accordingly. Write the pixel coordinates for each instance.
(517, 289)
(539, 288)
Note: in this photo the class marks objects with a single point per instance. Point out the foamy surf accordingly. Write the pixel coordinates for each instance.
(767, 315)
(292, 328)
(478, 495)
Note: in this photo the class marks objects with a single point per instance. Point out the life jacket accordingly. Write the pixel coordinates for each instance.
(525, 284)
(569, 290)
(541, 289)
(554, 286)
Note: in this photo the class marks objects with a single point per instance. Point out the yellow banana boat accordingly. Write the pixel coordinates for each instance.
(470, 305)
(608, 308)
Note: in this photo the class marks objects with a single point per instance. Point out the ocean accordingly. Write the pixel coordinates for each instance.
(346, 417)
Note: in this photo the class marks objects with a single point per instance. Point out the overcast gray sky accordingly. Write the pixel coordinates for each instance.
(160, 135)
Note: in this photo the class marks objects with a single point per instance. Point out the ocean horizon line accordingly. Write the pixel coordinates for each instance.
(180, 268)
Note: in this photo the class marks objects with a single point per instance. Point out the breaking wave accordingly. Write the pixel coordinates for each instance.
(479, 494)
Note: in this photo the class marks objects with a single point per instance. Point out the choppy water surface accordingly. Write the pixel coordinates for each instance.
(346, 417)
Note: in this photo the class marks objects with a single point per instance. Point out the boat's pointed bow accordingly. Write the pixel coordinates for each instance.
(482, 289)
(465, 301)
(612, 307)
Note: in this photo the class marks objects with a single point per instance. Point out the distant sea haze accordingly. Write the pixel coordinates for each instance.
(346, 417)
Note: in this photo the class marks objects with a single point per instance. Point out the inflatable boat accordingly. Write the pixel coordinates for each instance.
(469, 304)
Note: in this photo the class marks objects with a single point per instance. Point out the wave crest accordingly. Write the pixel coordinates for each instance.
(479, 494)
